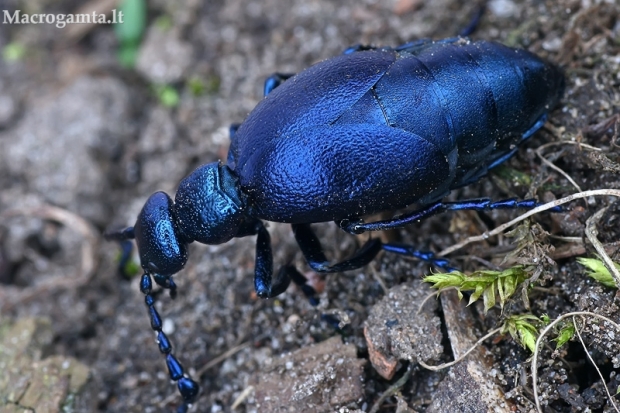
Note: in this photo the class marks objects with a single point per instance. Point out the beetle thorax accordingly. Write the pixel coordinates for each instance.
(209, 205)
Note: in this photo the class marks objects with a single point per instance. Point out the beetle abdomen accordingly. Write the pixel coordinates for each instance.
(479, 97)
(389, 128)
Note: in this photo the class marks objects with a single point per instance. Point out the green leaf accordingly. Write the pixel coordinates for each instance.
(134, 21)
(167, 95)
(566, 333)
(483, 284)
(517, 178)
(127, 55)
(441, 281)
(164, 23)
(196, 86)
(599, 271)
(517, 276)
(13, 52)
(528, 339)
(476, 294)
(522, 330)
(488, 298)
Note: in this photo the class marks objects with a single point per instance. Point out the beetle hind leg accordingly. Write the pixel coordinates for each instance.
(427, 256)
(354, 226)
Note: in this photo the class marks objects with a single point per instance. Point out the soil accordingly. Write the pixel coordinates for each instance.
(84, 141)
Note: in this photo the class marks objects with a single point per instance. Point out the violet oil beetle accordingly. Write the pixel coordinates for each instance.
(374, 129)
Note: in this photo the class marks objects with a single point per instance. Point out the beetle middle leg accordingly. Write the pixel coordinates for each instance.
(313, 252)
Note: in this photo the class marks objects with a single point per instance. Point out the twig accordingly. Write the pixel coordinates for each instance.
(244, 395)
(534, 365)
(392, 389)
(472, 348)
(576, 240)
(594, 364)
(555, 167)
(434, 294)
(222, 357)
(591, 233)
(549, 205)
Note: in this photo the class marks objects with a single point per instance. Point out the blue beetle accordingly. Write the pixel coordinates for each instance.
(371, 130)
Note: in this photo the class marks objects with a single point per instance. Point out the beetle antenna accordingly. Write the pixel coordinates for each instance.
(120, 235)
(187, 387)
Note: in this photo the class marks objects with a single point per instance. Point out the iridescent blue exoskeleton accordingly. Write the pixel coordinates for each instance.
(372, 130)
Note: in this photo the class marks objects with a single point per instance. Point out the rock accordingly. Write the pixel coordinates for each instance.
(29, 383)
(319, 378)
(52, 151)
(396, 329)
(469, 386)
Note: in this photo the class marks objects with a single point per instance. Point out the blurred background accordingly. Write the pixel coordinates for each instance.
(95, 117)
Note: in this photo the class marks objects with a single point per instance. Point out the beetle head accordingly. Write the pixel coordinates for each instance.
(162, 248)
(209, 205)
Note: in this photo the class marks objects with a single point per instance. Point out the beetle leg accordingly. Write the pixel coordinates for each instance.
(274, 81)
(311, 248)
(232, 130)
(263, 268)
(313, 252)
(475, 21)
(265, 286)
(354, 226)
(290, 273)
(120, 235)
(426, 256)
(539, 124)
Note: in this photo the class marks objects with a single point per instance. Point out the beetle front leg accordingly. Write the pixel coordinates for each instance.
(263, 268)
(123, 237)
(264, 284)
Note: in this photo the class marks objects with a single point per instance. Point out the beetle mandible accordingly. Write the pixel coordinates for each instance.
(371, 130)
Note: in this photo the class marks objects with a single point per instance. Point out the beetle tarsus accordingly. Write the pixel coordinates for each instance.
(427, 256)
